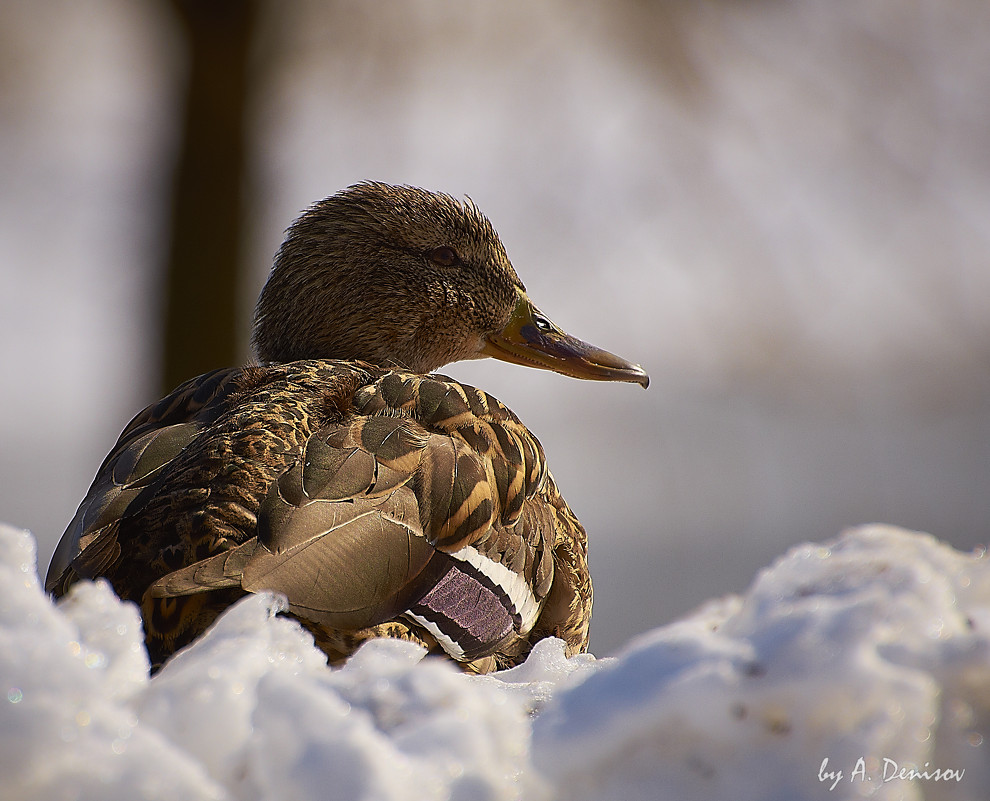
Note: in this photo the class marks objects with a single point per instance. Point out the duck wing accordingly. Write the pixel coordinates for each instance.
(89, 546)
(423, 503)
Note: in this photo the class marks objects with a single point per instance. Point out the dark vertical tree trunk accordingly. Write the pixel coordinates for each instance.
(207, 200)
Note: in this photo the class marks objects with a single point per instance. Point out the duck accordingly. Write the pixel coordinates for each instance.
(340, 470)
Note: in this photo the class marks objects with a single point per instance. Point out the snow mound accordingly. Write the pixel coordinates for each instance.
(873, 647)
(858, 668)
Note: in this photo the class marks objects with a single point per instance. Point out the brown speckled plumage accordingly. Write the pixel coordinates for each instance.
(380, 500)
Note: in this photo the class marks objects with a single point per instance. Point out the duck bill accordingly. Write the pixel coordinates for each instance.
(530, 339)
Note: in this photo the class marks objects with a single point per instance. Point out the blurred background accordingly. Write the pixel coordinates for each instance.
(781, 209)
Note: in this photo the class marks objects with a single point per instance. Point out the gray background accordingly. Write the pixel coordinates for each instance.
(782, 210)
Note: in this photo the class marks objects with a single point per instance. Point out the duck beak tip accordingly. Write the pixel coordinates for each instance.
(542, 345)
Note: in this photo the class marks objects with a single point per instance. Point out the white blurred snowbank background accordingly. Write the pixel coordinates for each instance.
(873, 646)
(781, 209)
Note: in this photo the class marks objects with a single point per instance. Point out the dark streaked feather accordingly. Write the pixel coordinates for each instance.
(340, 486)
(381, 500)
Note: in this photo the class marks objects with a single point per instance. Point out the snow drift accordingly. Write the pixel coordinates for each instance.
(857, 668)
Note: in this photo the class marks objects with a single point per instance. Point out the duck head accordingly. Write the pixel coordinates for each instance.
(402, 277)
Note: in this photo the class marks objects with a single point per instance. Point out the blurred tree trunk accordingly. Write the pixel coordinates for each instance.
(207, 193)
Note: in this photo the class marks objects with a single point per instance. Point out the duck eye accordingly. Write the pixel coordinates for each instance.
(443, 255)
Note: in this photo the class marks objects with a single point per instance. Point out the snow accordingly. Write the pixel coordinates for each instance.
(869, 650)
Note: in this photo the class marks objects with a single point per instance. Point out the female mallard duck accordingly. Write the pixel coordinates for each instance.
(380, 500)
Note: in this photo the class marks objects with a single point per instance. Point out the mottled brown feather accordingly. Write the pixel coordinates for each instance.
(330, 473)
(383, 470)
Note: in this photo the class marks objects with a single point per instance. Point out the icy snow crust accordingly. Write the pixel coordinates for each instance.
(873, 647)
